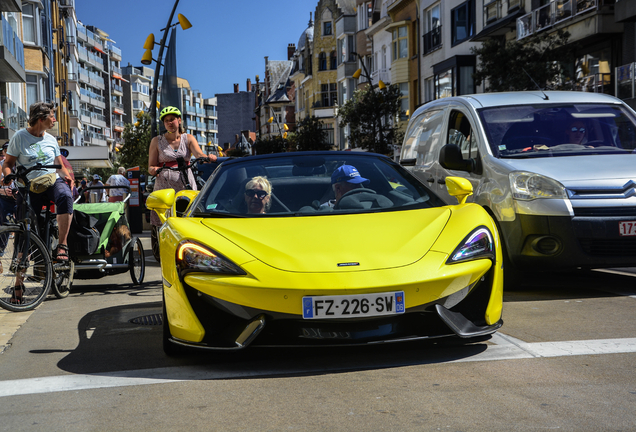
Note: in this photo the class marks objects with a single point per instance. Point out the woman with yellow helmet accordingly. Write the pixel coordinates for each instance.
(166, 148)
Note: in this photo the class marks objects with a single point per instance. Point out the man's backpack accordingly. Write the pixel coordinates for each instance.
(83, 237)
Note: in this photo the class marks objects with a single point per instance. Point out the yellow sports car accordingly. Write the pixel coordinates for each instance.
(324, 248)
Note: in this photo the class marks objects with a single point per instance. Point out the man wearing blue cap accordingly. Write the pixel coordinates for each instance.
(344, 179)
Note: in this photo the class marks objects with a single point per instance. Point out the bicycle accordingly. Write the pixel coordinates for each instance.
(26, 259)
(182, 167)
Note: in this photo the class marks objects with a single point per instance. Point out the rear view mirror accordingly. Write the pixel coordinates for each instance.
(450, 157)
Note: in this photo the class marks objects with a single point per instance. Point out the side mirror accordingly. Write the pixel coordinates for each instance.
(459, 187)
(450, 157)
(160, 201)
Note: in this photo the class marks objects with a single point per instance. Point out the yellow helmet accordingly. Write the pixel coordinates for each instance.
(169, 110)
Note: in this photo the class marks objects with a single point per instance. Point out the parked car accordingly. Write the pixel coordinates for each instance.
(388, 261)
(556, 170)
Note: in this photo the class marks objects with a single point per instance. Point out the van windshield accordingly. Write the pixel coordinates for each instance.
(528, 131)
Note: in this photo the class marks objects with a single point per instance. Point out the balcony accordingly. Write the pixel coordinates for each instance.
(11, 55)
(551, 14)
(383, 75)
(67, 3)
(94, 138)
(10, 6)
(81, 33)
(14, 119)
(433, 40)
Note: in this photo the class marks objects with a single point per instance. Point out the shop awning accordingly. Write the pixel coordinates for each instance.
(82, 157)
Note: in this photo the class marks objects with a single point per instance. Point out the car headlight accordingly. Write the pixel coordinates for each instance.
(476, 245)
(192, 256)
(528, 186)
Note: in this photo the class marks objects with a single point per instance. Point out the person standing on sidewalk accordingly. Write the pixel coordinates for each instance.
(118, 179)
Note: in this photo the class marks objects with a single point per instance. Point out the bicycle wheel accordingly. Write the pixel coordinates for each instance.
(154, 242)
(136, 261)
(64, 275)
(36, 276)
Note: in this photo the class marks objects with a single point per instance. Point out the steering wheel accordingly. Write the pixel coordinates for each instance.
(354, 192)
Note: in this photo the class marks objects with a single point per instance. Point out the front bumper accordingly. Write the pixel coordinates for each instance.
(229, 326)
(565, 242)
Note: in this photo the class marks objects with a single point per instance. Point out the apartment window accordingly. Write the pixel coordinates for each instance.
(432, 20)
(463, 22)
(29, 23)
(429, 90)
(32, 89)
(328, 127)
(327, 29)
(400, 43)
(329, 94)
(444, 84)
(322, 61)
(365, 15)
(404, 100)
(346, 47)
(140, 88)
(333, 61)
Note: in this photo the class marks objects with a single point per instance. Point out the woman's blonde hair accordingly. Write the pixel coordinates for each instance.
(262, 182)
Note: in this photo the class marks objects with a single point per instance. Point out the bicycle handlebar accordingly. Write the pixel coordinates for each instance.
(184, 166)
(21, 172)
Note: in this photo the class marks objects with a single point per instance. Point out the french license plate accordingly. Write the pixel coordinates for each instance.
(353, 306)
(627, 228)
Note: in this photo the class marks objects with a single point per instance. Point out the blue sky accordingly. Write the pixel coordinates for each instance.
(226, 44)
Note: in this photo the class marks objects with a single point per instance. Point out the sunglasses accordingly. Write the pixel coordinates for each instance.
(260, 194)
(575, 129)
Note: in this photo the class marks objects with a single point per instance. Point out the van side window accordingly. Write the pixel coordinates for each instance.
(461, 134)
(423, 135)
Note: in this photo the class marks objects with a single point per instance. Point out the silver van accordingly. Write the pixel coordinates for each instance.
(556, 170)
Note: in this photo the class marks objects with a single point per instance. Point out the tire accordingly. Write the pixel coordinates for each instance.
(154, 241)
(63, 280)
(136, 261)
(37, 277)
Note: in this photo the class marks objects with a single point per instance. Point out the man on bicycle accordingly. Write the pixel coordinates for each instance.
(34, 145)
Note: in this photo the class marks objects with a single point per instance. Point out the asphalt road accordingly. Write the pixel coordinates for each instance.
(565, 359)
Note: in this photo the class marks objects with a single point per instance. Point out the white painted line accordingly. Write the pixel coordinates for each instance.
(509, 349)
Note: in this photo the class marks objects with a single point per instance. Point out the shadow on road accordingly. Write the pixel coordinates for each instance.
(111, 344)
(571, 285)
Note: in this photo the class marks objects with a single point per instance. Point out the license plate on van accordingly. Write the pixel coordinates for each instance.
(627, 228)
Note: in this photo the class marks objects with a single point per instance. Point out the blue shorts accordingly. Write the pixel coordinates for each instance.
(59, 193)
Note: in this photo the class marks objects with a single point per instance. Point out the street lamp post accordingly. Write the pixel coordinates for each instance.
(357, 73)
(147, 60)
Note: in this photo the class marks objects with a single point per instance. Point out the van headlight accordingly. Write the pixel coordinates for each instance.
(527, 186)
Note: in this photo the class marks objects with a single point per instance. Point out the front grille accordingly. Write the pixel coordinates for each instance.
(605, 211)
(609, 247)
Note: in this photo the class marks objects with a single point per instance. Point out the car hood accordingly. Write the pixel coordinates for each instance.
(336, 243)
(579, 169)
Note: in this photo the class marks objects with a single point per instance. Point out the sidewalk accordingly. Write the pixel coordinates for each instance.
(10, 322)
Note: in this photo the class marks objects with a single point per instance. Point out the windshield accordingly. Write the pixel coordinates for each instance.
(301, 184)
(528, 131)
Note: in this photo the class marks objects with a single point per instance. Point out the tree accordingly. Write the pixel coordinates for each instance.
(509, 66)
(136, 143)
(273, 144)
(370, 116)
(311, 135)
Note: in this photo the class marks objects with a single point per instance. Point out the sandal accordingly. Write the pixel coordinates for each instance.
(16, 298)
(63, 255)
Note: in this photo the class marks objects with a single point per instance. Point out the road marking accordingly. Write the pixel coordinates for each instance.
(505, 348)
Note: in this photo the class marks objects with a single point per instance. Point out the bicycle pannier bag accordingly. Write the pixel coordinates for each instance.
(83, 237)
(43, 182)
